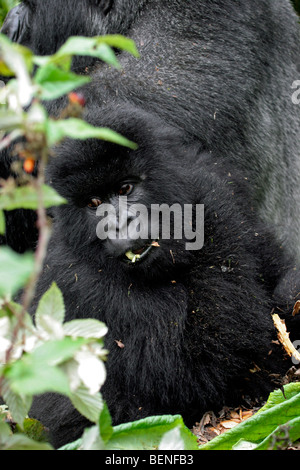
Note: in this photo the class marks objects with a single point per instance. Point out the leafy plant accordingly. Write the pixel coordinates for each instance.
(154, 433)
(275, 426)
(5, 6)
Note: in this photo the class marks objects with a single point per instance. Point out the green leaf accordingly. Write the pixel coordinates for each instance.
(93, 47)
(88, 405)
(63, 62)
(277, 397)
(10, 120)
(57, 351)
(5, 71)
(105, 424)
(26, 197)
(22, 442)
(19, 60)
(15, 270)
(16, 58)
(2, 223)
(35, 430)
(73, 445)
(78, 129)
(51, 304)
(121, 42)
(258, 427)
(91, 440)
(100, 47)
(147, 433)
(172, 440)
(5, 432)
(19, 405)
(282, 436)
(13, 310)
(55, 82)
(31, 377)
(90, 328)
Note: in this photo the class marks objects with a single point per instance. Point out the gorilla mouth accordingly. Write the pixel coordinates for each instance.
(140, 254)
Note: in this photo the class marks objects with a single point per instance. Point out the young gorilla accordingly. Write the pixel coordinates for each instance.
(192, 322)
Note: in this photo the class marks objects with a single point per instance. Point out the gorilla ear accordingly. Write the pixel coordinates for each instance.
(105, 5)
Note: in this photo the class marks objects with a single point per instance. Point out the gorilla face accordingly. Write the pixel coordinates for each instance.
(121, 207)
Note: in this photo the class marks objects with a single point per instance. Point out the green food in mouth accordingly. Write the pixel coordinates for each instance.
(132, 256)
(141, 253)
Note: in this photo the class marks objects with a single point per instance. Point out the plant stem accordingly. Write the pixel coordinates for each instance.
(40, 253)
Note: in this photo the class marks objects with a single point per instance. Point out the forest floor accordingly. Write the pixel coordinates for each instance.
(214, 424)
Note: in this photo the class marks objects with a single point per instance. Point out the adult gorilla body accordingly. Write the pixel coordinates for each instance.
(210, 97)
(223, 73)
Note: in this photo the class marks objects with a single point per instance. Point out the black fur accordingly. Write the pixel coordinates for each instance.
(192, 322)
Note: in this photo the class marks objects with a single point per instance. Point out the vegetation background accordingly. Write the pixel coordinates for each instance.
(5, 6)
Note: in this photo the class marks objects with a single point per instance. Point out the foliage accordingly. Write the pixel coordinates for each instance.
(5, 6)
(274, 427)
(154, 433)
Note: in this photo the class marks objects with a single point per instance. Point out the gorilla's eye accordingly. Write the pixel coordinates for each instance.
(126, 189)
(94, 203)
